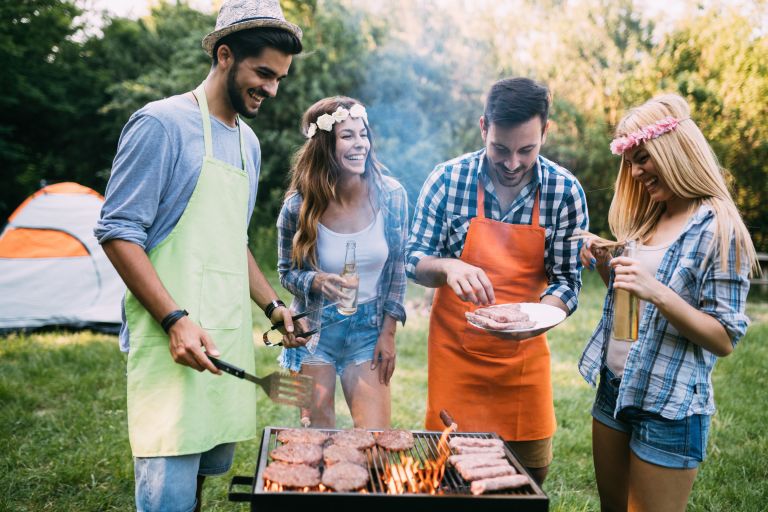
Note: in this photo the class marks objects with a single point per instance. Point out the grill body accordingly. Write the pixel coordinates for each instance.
(453, 494)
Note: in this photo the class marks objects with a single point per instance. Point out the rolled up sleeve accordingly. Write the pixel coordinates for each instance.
(296, 281)
(724, 292)
(429, 230)
(563, 265)
(140, 172)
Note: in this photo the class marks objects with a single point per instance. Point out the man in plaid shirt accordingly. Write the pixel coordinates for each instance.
(517, 248)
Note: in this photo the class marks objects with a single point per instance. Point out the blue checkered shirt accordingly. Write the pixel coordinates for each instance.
(666, 373)
(391, 287)
(448, 201)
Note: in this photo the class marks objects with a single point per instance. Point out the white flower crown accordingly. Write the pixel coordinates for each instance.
(325, 121)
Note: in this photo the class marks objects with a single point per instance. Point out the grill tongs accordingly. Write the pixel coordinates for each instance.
(282, 388)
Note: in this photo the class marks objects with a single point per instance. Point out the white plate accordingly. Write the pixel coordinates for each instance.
(543, 314)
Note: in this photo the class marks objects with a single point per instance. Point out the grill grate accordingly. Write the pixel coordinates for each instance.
(453, 493)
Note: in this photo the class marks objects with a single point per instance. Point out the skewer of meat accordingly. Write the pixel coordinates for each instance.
(466, 450)
(474, 441)
(498, 483)
(455, 459)
(480, 463)
(503, 314)
(472, 474)
(489, 323)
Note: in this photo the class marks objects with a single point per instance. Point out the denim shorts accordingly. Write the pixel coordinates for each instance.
(352, 341)
(677, 444)
(169, 484)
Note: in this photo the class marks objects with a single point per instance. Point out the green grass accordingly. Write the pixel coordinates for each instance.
(64, 443)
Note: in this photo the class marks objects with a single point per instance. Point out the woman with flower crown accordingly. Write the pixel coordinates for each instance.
(690, 272)
(339, 193)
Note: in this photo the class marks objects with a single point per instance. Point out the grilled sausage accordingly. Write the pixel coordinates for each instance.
(498, 483)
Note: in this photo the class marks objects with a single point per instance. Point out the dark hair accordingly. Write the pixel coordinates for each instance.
(251, 42)
(512, 101)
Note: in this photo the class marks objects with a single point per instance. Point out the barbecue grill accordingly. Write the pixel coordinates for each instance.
(453, 493)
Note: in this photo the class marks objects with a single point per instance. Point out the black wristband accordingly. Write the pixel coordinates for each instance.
(272, 306)
(171, 318)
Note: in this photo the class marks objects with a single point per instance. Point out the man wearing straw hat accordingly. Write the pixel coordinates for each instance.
(174, 224)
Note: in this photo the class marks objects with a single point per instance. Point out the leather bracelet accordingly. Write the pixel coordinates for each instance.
(171, 318)
(272, 306)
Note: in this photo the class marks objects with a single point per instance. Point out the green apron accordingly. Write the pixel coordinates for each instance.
(173, 409)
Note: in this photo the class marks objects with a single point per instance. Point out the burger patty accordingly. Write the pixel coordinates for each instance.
(345, 477)
(356, 438)
(395, 440)
(336, 453)
(504, 314)
(292, 475)
(298, 453)
(302, 435)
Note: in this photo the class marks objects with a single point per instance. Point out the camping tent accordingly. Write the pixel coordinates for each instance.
(52, 270)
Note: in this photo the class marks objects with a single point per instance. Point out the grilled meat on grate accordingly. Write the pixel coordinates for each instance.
(356, 438)
(298, 453)
(336, 453)
(395, 440)
(455, 442)
(302, 435)
(498, 483)
(345, 477)
(292, 475)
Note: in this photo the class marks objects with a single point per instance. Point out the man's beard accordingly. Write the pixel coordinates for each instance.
(236, 98)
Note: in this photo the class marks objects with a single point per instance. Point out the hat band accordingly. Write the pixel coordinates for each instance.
(256, 18)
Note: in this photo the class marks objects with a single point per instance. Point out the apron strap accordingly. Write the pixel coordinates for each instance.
(481, 203)
(202, 101)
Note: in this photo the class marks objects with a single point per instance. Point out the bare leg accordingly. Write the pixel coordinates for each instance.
(610, 453)
(199, 492)
(368, 399)
(655, 488)
(322, 413)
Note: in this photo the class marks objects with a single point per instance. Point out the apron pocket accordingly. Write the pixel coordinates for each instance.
(221, 299)
(479, 342)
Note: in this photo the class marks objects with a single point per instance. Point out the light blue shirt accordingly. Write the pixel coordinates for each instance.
(158, 161)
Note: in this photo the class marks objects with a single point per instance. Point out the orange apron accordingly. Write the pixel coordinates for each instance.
(486, 383)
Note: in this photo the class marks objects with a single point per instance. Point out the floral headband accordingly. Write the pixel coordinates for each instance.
(620, 144)
(325, 121)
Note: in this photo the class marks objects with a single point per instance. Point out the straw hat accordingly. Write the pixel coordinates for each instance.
(236, 15)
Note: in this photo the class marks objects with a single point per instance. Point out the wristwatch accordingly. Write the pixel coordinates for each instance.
(272, 306)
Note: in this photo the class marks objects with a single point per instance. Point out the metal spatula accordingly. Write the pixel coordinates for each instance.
(281, 388)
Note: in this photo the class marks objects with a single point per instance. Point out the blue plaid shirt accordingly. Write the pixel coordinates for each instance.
(391, 288)
(448, 201)
(665, 373)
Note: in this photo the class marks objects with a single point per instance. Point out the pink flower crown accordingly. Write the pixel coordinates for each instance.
(620, 144)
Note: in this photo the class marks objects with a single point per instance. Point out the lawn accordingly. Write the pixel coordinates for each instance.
(64, 443)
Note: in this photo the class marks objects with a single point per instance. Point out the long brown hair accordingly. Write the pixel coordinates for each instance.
(315, 175)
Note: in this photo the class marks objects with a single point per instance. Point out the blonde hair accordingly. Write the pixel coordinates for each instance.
(689, 167)
(315, 174)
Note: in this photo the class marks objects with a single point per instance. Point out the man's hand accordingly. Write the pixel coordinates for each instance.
(289, 338)
(186, 343)
(468, 282)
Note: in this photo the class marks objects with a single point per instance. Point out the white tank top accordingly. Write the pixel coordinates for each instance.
(371, 252)
(650, 257)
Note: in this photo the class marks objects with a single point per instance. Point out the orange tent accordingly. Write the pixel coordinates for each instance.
(52, 269)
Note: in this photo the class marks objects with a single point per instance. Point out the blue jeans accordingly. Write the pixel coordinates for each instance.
(676, 444)
(168, 484)
(350, 342)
